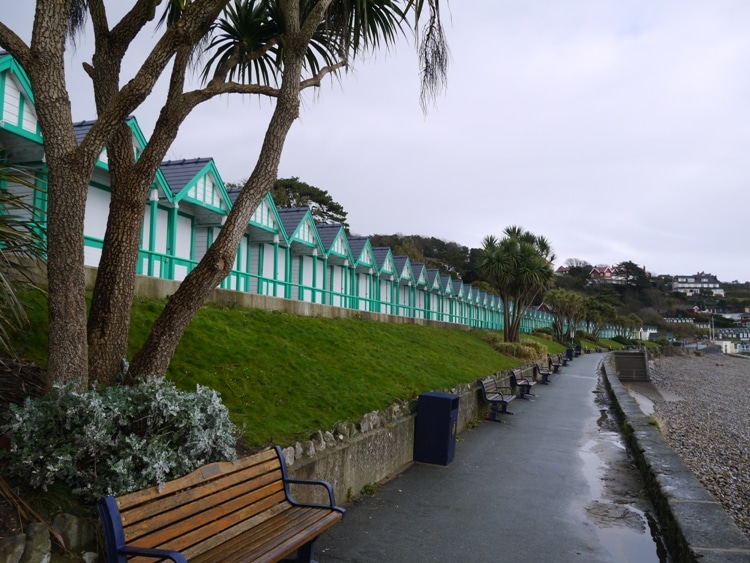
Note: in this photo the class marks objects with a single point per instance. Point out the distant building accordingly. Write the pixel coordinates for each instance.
(697, 283)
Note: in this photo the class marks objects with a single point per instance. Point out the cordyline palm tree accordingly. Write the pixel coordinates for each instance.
(273, 49)
(21, 249)
(518, 267)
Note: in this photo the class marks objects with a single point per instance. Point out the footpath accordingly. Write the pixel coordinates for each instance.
(522, 491)
(515, 491)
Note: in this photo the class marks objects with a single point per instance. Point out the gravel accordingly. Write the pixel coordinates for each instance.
(709, 423)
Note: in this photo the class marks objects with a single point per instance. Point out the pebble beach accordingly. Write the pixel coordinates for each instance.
(705, 418)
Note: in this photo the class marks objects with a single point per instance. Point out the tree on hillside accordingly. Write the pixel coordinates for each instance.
(567, 311)
(449, 257)
(292, 192)
(633, 274)
(273, 49)
(518, 267)
(597, 314)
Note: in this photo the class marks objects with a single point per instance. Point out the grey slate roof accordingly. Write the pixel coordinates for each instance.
(357, 244)
(328, 233)
(234, 194)
(432, 273)
(400, 262)
(417, 268)
(381, 253)
(291, 218)
(178, 173)
(81, 129)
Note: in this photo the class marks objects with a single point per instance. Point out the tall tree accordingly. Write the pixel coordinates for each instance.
(567, 311)
(519, 268)
(260, 47)
(291, 192)
(597, 314)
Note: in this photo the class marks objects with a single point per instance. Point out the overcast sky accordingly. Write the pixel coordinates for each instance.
(619, 130)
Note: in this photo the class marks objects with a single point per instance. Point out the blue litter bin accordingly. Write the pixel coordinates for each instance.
(436, 428)
(569, 354)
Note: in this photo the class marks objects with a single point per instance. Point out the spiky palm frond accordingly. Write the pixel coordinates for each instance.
(246, 38)
(21, 246)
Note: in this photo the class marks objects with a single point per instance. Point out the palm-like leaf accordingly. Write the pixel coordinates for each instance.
(249, 38)
(21, 246)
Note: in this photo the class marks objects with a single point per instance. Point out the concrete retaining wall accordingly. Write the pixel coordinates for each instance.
(693, 522)
(380, 446)
(156, 288)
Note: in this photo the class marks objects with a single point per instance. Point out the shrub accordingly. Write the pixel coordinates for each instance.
(123, 439)
(540, 350)
(543, 333)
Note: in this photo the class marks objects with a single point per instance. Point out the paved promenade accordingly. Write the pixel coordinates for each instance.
(516, 491)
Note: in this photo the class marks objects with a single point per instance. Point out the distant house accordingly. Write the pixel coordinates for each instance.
(601, 273)
(697, 283)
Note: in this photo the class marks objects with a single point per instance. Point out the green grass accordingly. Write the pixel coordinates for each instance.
(283, 376)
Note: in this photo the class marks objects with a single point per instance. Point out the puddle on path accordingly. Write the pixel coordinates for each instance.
(619, 509)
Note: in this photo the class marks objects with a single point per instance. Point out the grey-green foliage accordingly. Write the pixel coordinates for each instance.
(123, 439)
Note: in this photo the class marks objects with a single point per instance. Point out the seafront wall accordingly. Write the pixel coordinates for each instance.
(693, 522)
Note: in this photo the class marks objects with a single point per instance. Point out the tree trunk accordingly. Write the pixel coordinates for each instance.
(109, 318)
(154, 357)
(67, 185)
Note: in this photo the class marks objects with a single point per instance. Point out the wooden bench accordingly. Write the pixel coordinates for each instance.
(226, 511)
(497, 397)
(542, 373)
(524, 385)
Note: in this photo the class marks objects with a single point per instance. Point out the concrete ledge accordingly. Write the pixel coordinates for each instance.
(693, 522)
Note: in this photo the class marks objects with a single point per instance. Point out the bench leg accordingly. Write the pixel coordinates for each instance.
(305, 553)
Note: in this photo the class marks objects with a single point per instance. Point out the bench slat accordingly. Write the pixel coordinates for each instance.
(184, 506)
(274, 539)
(197, 529)
(200, 475)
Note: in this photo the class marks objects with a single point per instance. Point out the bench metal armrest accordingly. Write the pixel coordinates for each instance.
(331, 500)
(175, 556)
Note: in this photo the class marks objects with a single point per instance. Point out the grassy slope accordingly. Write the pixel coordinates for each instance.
(283, 376)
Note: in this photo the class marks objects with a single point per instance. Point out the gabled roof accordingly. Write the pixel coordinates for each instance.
(334, 241)
(433, 279)
(299, 227)
(179, 173)
(404, 268)
(291, 218)
(197, 181)
(265, 225)
(458, 288)
(384, 260)
(446, 284)
(420, 273)
(17, 111)
(362, 252)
